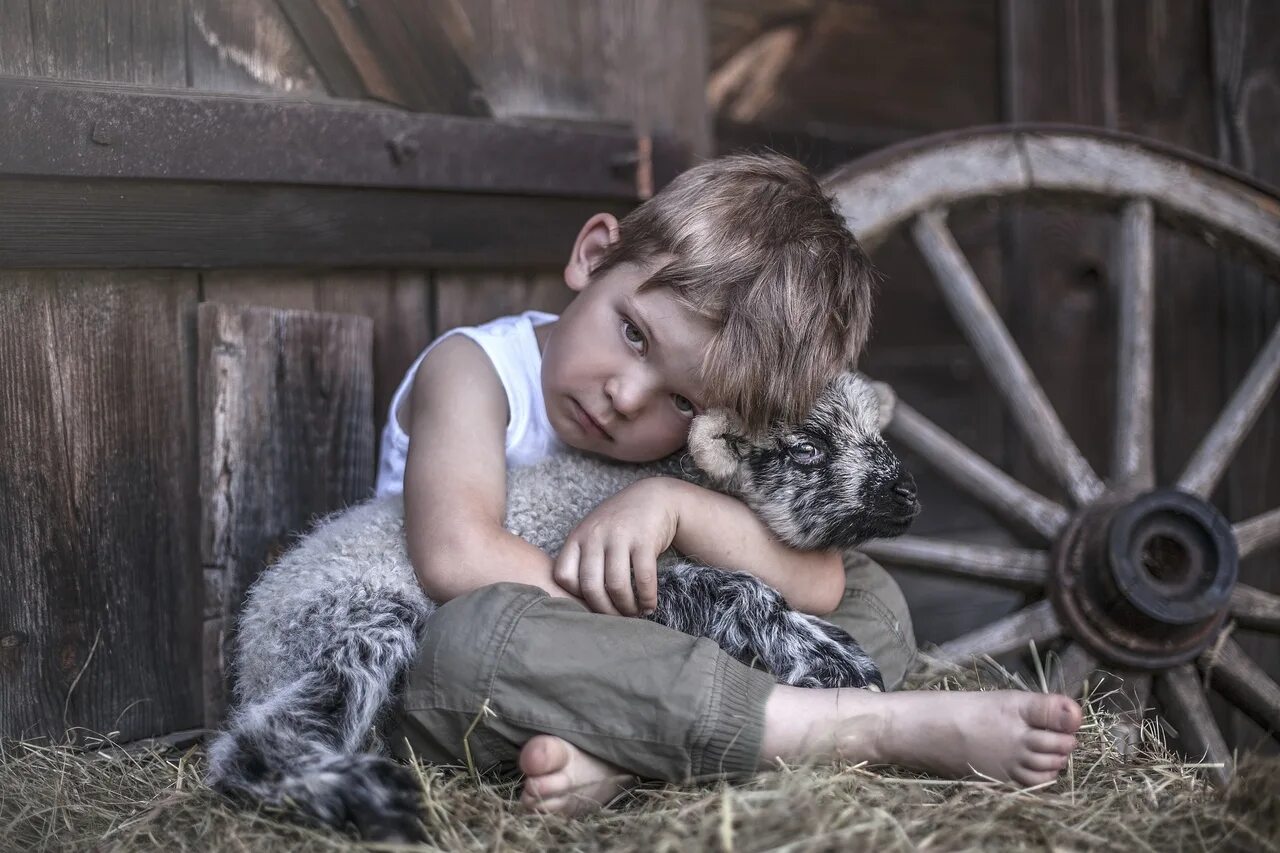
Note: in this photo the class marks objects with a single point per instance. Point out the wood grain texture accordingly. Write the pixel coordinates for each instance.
(246, 46)
(466, 298)
(1036, 623)
(136, 224)
(1183, 702)
(398, 302)
(1245, 80)
(643, 62)
(286, 434)
(98, 504)
(16, 56)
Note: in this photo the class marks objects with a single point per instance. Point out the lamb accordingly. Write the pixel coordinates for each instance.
(328, 631)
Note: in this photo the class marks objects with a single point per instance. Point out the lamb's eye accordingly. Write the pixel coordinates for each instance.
(805, 453)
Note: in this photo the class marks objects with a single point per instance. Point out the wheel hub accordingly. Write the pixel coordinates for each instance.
(1145, 583)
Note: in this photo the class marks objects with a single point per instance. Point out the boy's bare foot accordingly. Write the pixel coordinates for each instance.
(562, 779)
(1008, 735)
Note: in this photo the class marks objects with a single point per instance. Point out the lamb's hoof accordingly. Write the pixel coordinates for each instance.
(380, 797)
(839, 662)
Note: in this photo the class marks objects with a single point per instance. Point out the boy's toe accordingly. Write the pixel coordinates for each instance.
(1054, 712)
(1043, 762)
(543, 755)
(1048, 742)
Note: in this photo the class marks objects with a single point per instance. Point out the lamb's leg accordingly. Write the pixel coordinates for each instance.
(751, 621)
(302, 744)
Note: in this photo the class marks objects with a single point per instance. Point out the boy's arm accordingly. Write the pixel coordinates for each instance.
(455, 480)
(721, 530)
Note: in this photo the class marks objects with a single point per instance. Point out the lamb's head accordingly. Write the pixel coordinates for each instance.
(830, 482)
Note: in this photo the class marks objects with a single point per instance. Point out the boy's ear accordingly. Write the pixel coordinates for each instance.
(597, 235)
(712, 439)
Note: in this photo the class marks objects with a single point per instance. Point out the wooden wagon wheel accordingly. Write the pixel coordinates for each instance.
(1139, 577)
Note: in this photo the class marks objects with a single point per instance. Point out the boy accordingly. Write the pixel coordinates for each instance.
(738, 285)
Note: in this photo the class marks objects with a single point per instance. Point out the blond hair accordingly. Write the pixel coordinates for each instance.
(760, 250)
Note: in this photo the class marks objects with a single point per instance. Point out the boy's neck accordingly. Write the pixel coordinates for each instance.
(542, 334)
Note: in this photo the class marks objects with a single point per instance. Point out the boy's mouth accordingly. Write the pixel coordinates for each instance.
(588, 423)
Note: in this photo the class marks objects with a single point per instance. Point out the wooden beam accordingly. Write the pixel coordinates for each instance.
(83, 130)
(71, 223)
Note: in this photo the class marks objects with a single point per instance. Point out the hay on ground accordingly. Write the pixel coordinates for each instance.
(66, 798)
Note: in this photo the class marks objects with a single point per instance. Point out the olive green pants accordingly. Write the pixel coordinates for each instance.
(507, 662)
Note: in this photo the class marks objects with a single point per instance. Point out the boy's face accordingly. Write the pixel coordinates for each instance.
(620, 367)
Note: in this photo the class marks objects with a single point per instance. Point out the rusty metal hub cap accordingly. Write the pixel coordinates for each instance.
(1145, 583)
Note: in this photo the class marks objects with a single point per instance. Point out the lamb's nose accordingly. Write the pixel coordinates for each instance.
(905, 489)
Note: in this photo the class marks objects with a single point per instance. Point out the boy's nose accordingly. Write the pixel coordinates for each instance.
(626, 397)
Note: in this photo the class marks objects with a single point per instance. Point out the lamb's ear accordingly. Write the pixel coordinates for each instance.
(712, 436)
(887, 399)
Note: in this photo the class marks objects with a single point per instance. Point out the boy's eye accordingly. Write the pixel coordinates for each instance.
(632, 333)
(683, 404)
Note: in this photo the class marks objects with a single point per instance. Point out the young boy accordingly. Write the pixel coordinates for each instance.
(738, 285)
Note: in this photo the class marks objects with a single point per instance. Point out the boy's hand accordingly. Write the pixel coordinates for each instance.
(620, 540)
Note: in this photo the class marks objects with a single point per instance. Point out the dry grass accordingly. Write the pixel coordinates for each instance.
(61, 798)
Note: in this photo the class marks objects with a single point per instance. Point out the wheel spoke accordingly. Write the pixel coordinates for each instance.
(1037, 622)
(1234, 674)
(1253, 608)
(1005, 365)
(1258, 533)
(1020, 567)
(1184, 704)
(1075, 665)
(1133, 465)
(1005, 496)
(1130, 704)
(1218, 447)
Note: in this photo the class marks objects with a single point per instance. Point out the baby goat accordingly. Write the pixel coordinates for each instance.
(327, 633)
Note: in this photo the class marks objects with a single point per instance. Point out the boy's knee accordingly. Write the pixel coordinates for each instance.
(462, 632)
(874, 611)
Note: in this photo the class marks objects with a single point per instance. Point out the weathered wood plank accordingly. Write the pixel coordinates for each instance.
(101, 131)
(286, 433)
(340, 64)
(68, 223)
(69, 40)
(398, 302)
(146, 42)
(643, 62)
(246, 46)
(15, 38)
(1244, 40)
(466, 298)
(98, 504)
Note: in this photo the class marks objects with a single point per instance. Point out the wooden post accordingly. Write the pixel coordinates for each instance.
(286, 434)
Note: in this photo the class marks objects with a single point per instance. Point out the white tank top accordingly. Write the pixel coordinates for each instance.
(513, 348)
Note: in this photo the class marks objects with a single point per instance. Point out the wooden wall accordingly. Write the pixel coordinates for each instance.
(100, 592)
(1202, 75)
